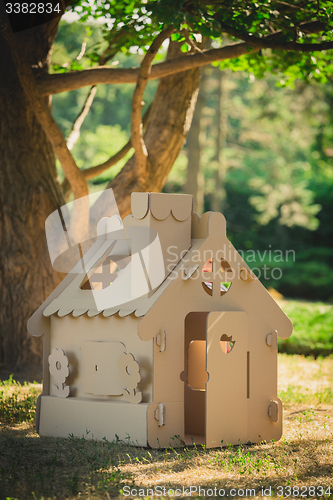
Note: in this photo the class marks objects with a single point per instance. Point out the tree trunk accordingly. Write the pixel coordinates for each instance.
(169, 122)
(195, 178)
(29, 192)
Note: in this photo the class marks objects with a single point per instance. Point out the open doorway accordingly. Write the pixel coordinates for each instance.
(216, 377)
(196, 377)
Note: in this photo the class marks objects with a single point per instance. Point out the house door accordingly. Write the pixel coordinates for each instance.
(227, 387)
(195, 377)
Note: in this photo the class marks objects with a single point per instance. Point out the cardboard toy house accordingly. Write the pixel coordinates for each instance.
(192, 361)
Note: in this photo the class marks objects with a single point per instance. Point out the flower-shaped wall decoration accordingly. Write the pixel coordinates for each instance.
(129, 372)
(59, 369)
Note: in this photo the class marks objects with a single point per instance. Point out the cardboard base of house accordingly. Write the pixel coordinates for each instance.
(191, 360)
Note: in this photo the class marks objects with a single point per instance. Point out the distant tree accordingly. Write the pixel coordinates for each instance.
(293, 36)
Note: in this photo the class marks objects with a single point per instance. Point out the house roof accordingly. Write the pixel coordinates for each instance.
(115, 240)
(69, 298)
(73, 300)
(209, 231)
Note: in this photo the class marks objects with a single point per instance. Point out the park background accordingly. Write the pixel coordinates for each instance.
(270, 143)
(261, 149)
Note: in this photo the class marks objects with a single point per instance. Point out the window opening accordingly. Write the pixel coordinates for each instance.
(102, 276)
(226, 343)
(209, 272)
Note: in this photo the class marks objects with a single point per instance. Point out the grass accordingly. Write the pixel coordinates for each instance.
(313, 328)
(41, 468)
(18, 402)
(305, 380)
(48, 468)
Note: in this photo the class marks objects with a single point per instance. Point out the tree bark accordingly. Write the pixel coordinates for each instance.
(141, 153)
(195, 178)
(56, 83)
(29, 192)
(53, 84)
(169, 122)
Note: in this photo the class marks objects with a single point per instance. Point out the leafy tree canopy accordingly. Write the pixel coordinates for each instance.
(281, 35)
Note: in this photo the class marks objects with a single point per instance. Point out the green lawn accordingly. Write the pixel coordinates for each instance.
(313, 328)
(34, 468)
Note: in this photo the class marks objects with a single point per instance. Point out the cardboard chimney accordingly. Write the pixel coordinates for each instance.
(192, 360)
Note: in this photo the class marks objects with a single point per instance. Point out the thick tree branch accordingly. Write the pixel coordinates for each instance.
(92, 172)
(104, 58)
(75, 132)
(56, 83)
(167, 128)
(141, 153)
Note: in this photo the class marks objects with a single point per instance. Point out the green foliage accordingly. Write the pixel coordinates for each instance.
(292, 204)
(100, 145)
(311, 277)
(313, 330)
(132, 25)
(17, 405)
(278, 160)
(259, 19)
(289, 66)
(127, 23)
(75, 46)
(274, 164)
(277, 175)
(250, 17)
(306, 274)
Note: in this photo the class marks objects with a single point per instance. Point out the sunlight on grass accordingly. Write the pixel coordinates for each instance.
(18, 402)
(304, 379)
(313, 328)
(38, 468)
(34, 467)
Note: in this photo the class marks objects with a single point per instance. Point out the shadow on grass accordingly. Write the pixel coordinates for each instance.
(35, 468)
